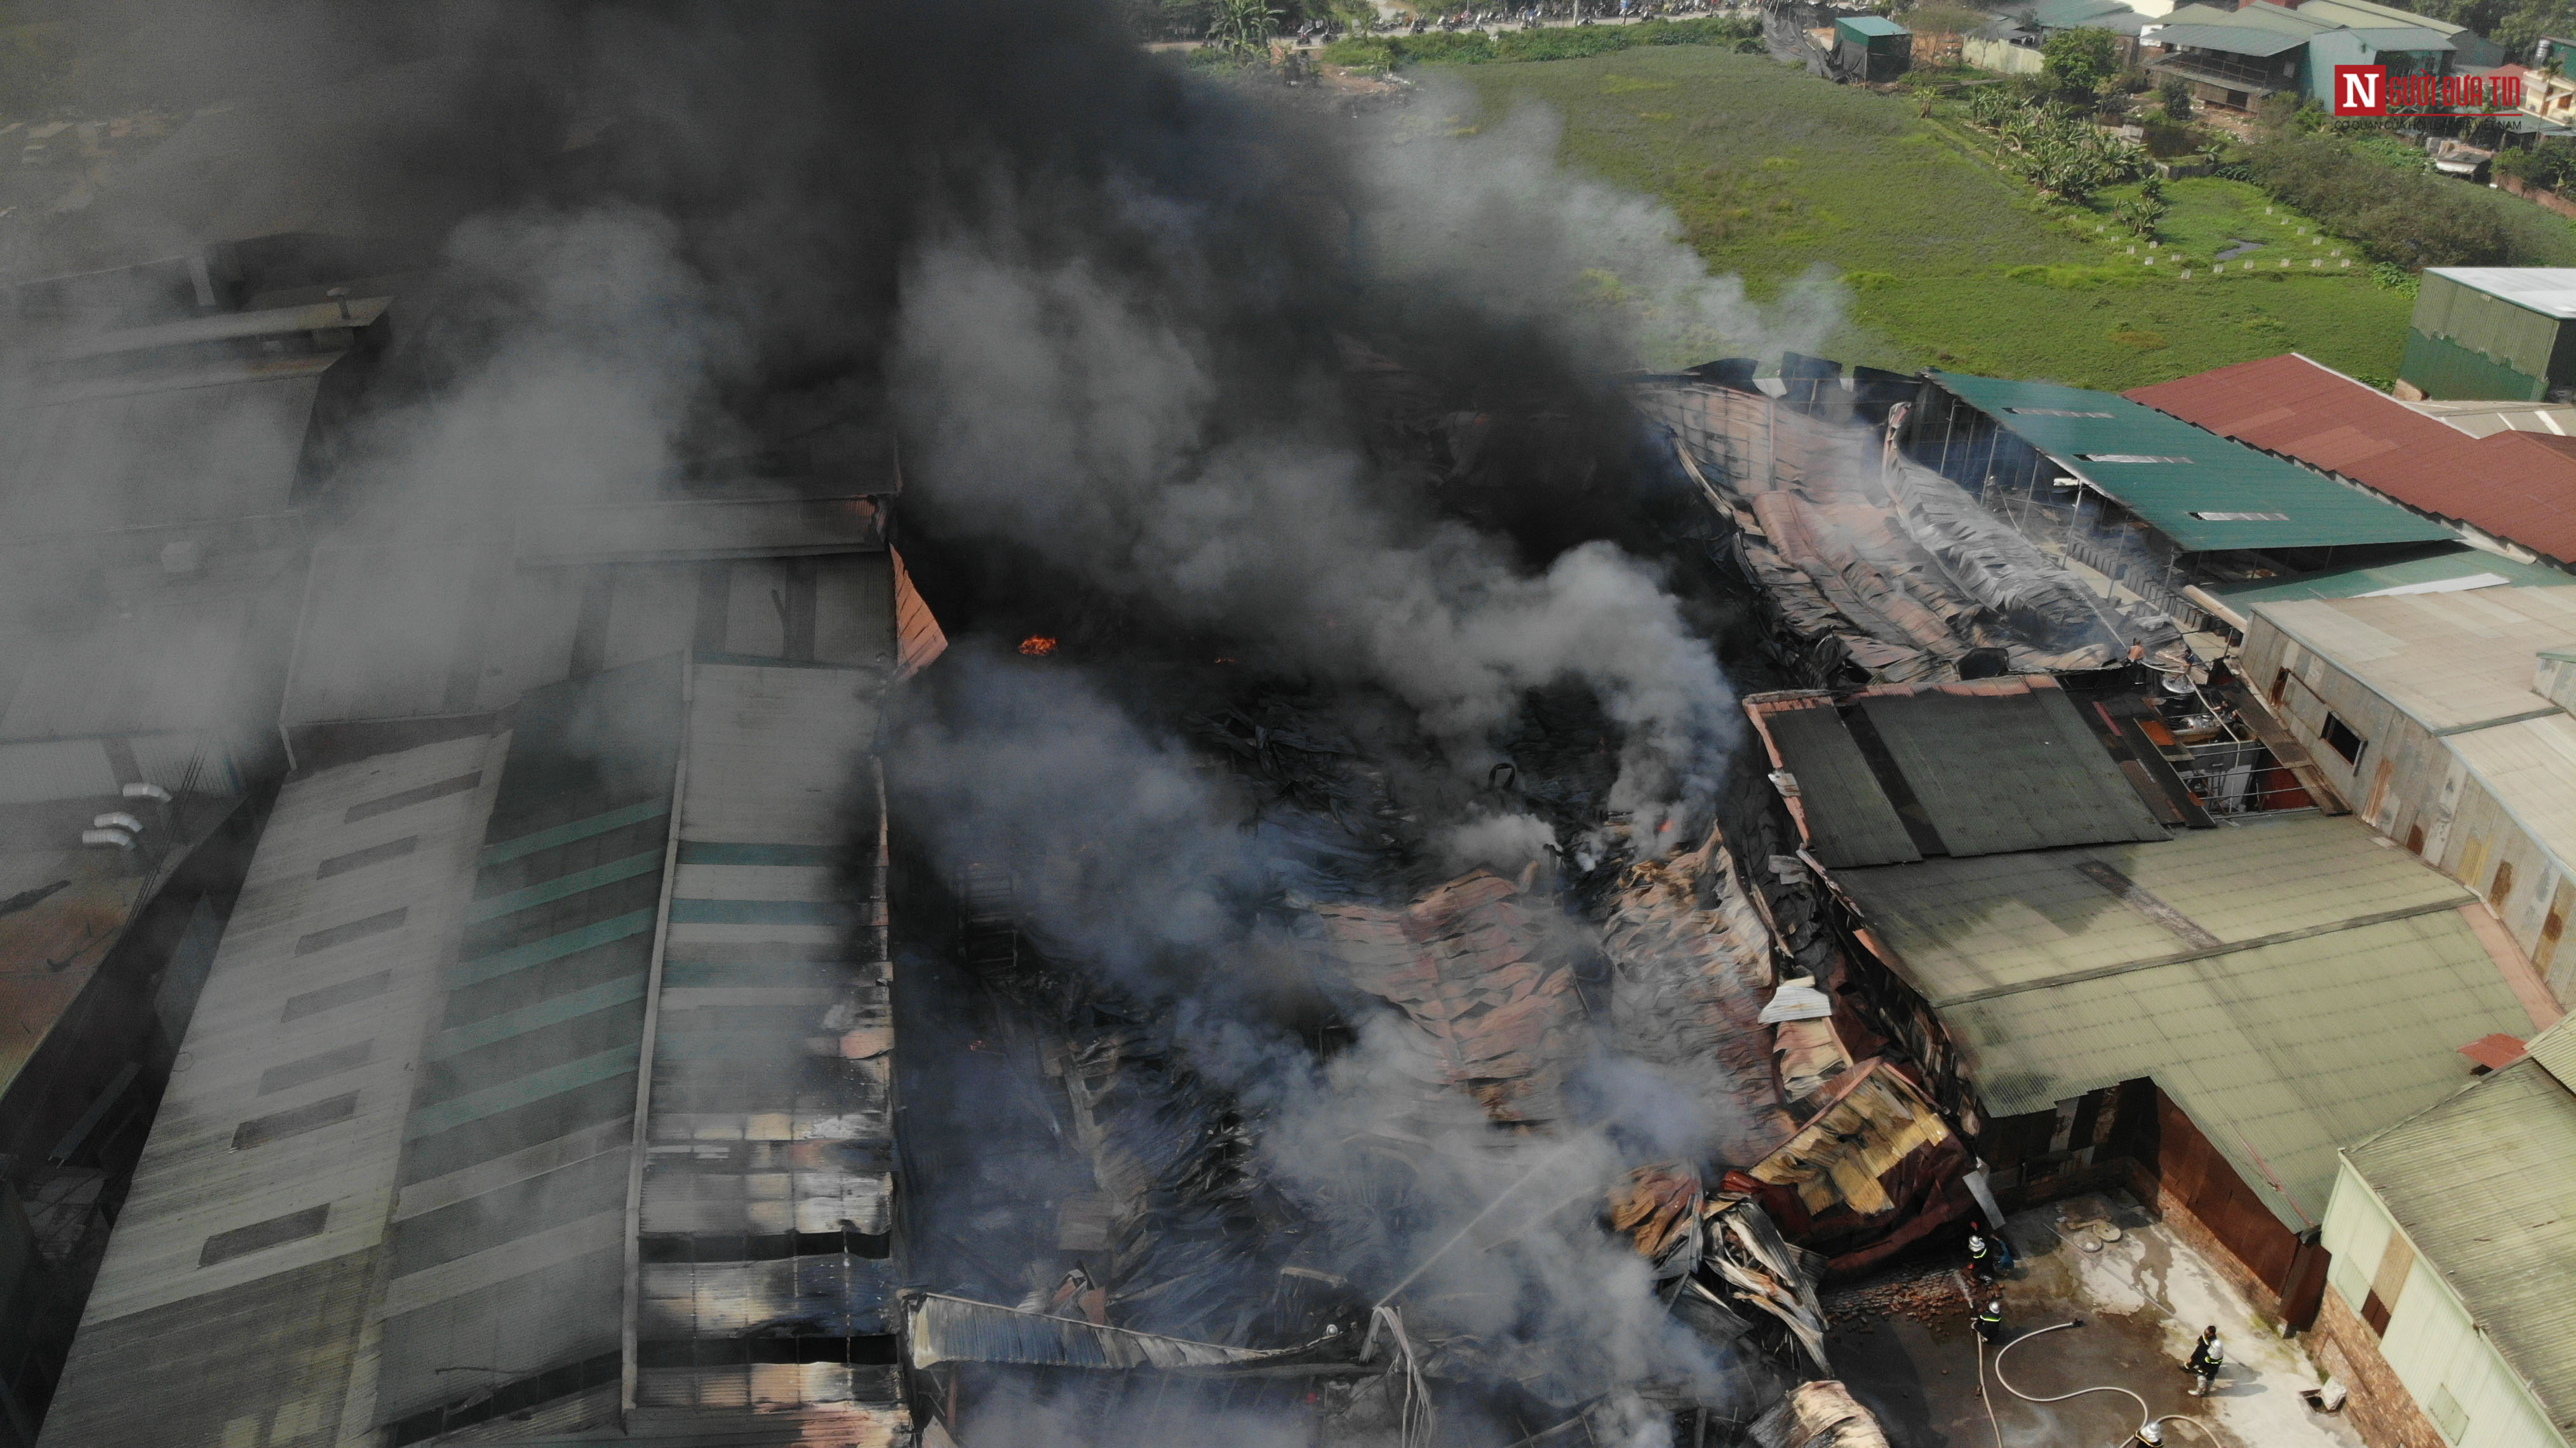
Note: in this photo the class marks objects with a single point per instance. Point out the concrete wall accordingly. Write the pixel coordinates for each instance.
(2000, 56)
(2420, 1373)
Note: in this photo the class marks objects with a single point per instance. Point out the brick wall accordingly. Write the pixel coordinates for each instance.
(2381, 1409)
(2195, 1233)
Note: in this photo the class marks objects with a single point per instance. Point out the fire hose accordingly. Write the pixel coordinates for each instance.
(2146, 1418)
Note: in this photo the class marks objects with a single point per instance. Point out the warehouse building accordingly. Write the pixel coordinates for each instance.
(2514, 491)
(2492, 332)
(539, 1091)
(2446, 1309)
(2148, 503)
(2443, 719)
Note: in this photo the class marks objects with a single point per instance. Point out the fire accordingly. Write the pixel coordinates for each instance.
(1037, 646)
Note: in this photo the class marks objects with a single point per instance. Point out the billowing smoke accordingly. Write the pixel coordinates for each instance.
(1115, 314)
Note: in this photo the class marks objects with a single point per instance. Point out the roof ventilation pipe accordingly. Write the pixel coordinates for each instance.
(139, 790)
(118, 838)
(118, 820)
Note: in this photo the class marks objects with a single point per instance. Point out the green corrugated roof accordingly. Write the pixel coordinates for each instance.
(2481, 1184)
(2462, 562)
(2221, 476)
(2060, 14)
(1871, 25)
(2341, 981)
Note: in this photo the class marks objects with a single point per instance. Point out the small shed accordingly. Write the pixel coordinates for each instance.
(2493, 332)
(1872, 48)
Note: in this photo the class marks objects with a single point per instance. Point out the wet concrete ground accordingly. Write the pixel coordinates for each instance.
(2142, 1300)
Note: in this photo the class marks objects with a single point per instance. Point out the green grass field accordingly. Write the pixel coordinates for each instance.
(1952, 263)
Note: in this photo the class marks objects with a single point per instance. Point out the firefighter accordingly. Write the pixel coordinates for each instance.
(1989, 1320)
(1982, 1257)
(2207, 1356)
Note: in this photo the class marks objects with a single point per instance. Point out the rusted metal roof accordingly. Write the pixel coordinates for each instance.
(1470, 966)
(2517, 486)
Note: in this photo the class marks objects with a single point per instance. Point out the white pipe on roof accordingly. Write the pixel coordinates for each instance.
(118, 819)
(118, 838)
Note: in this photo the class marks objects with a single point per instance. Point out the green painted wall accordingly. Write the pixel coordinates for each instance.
(2447, 370)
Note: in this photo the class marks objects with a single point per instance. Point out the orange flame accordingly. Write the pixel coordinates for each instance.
(1037, 646)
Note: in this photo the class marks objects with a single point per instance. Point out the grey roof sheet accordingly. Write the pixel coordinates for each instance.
(2481, 1184)
(2548, 290)
(2233, 39)
(2341, 981)
(2000, 771)
(1974, 927)
(1849, 818)
(2450, 661)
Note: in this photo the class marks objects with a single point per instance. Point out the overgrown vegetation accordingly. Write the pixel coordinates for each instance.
(1393, 52)
(2052, 147)
(1947, 260)
(2080, 62)
(2410, 219)
(2549, 167)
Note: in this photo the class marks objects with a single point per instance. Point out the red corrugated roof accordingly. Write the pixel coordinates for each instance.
(2518, 486)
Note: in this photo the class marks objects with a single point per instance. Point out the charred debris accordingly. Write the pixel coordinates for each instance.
(1126, 1224)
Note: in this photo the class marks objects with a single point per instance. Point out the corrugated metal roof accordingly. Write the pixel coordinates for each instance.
(2555, 1050)
(2445, 571)
(279, 1030)
(1870, 25)
(172, 454)
(2059, 14)
(2340, 981)
(2548, 290)
(2402, 37)
(750, 527)
(2195, 472)
(2515, 486)
(2232, 39)
(2481, 1185)
(156, 656)
(2449, 661)
(2011, 922)
(1848, 817)
(2530, 769)
(2007, 769)
(1988, 766)
(525, 1274)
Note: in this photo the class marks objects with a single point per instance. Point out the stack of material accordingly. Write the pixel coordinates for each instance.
(1818, 1415)
(1875, 569)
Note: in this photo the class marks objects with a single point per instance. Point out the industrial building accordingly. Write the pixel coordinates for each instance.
(152, 484)
(2514, 490)
(2204, 1016)
(2148, 503)
(2442, 717)
(2491, 332)
(2446, 1308)
(483, 1120)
